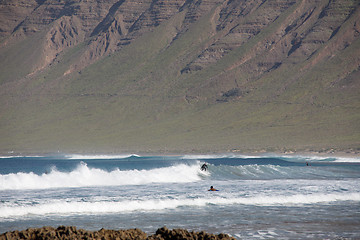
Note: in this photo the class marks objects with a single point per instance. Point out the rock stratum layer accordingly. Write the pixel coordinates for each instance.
(179, 75)
(71, 232)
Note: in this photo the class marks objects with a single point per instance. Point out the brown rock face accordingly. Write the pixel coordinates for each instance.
(72, 232)
(13, 14)
(293, 64)
(178, 234)
(107, 26)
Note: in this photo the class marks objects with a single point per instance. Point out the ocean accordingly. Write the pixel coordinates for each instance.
(260, 197)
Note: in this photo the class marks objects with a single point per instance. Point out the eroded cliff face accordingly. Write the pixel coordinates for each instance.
(64, 24)
(107, 26)
(174, 56)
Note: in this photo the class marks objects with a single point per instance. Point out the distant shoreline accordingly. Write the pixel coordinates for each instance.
(333, 153)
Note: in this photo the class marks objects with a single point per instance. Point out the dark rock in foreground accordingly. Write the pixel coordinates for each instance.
(71, 232)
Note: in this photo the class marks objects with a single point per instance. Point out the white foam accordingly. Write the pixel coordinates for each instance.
(195, 157)
(61, 207)
(78, 156)
(230, 155)
(21, 156)
(11, 156)
(315, 158)
(82, 157)
(298, 199)
(350, 160)
(288, 157)
(84, 176)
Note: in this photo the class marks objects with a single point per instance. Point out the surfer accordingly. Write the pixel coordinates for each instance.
(212, 189)
(204, 167)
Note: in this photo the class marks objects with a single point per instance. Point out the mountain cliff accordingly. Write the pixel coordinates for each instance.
(179, 75)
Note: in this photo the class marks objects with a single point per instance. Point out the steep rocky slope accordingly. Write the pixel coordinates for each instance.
(157, 75)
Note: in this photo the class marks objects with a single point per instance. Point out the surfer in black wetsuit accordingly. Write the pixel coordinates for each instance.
(204, 167)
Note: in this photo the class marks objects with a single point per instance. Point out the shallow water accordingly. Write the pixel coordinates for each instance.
(260, 197)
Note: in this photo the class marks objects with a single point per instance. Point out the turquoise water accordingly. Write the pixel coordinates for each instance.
(260, 197)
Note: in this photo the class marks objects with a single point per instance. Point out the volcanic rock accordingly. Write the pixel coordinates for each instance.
(71, 232)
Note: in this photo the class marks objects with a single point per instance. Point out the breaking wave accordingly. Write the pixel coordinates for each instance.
(83, 157)
(76, 206)
(179, 172)
(83, 176)
(290, 158)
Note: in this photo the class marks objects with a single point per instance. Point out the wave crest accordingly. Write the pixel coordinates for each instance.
(83, 176)
(76, 207)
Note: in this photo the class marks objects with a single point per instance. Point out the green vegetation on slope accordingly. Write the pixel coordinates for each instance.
(137, 99)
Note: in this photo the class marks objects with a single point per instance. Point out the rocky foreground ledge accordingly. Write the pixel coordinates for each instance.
(71, 232)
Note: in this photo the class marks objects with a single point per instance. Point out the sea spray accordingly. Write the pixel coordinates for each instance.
(318, 201)
(83, 176)
(74, 206)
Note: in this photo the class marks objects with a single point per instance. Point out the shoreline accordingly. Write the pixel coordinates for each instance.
(321, 153)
